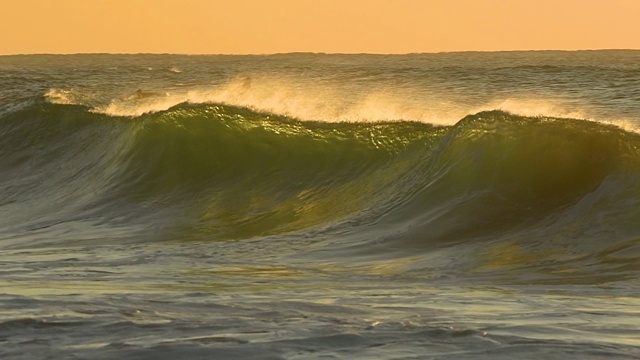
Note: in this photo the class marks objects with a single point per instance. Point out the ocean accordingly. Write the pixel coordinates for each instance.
(480, 205)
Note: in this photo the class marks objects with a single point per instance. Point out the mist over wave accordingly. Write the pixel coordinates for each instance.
(318, 103)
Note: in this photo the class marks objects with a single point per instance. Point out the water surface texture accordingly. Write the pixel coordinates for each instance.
(310, 206)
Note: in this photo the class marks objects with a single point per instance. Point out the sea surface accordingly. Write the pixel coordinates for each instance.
(314, 206)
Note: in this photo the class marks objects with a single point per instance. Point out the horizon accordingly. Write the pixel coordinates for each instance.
(322, 53)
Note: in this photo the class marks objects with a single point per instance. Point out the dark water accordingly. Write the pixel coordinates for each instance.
(302, 206)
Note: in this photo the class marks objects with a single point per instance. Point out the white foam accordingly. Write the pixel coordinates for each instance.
(329, 102)
(317, 103)
(538, 107)
(61, 96)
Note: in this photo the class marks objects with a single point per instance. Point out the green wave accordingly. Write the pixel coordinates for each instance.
(258, 174)
(496, 172)
(218, 172)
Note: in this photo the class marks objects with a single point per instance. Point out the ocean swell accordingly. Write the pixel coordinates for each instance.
(212, 172)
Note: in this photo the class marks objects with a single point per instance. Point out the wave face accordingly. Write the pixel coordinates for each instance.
(233, 172)
(216, 172)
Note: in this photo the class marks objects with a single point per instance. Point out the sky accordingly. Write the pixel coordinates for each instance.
(330, 26)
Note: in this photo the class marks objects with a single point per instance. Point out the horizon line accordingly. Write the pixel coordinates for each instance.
(315, 53)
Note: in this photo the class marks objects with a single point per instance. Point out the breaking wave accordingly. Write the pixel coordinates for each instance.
(218, 172)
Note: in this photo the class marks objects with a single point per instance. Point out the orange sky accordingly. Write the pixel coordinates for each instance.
(343, 26)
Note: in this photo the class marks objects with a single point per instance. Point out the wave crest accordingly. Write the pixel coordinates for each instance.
(317, 102)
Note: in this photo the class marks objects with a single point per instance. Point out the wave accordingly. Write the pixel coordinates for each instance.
(280, 173)
(219, 172)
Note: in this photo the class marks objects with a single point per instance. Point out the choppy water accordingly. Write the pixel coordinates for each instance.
(301, 206)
